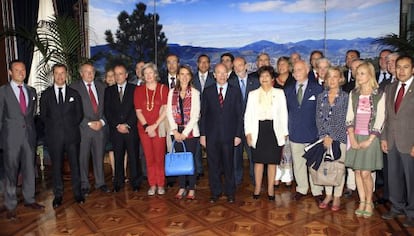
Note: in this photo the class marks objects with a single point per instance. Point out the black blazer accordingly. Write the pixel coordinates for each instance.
(61, 120)
(221, 124)
(209, 81)
(117, 112)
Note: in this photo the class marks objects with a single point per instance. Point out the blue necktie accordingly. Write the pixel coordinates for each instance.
(243, 88)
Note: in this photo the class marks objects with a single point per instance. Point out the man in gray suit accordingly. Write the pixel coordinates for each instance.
(18, 137)
(397, 140)
(92, 133)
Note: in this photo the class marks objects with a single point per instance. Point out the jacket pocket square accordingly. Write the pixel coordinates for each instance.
(34, 98)
(313, 98)
(71, 99)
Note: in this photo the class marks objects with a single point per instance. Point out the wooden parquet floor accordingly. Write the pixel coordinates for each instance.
(129, 213)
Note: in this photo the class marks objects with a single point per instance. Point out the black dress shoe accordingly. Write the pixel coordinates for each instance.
(409, 222)
(380, 201)
(80, 200)
(256, 196)
(297, 196)
(135, 188)
(11, 215)
(34, 206)
(230, 199)
(57, 202)
(318, 198)
(271, 198)
(85, 192)
(347, 193)
(104, 189)
(390, 215)
(213, 199)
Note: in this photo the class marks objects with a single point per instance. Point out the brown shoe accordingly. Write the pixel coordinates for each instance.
(11, 215)
(297, 196)
(34, 206)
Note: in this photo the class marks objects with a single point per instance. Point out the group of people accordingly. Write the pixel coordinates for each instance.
(228, 112)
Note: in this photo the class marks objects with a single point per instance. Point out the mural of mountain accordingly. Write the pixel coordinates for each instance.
(335, 51)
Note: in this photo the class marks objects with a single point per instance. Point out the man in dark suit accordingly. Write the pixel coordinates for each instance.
(123, 132)
(351, 55)
(313, 58)
(245, 84)
(263, 59)
(397, 140)
(203, 78)
(61, 112)
(221, 130)
(170, 78)
(301, 103)
(91, 128)
(18, 137)
(383, 73)
(227, 60)
(138, 78)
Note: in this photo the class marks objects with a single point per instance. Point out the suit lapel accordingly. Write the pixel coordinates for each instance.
(408, 95)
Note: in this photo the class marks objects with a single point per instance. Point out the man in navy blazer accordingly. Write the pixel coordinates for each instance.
(120, 113)
(221, 130)
(302, 126)
(62, 134)
(245, 83)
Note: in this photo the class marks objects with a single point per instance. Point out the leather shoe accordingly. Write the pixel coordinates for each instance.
(409, 222)
(104, 189)
(34, 206)
(318, 198)
(80, 200)
(213, 199)
(380, 201)
(57, 202)
(85, 192)
(135, 188)
(11, 215)
(347, 193)
(298, 196)
(390, 215)
(230, 199)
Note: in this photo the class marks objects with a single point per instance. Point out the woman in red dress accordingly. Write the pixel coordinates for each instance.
(150, 104)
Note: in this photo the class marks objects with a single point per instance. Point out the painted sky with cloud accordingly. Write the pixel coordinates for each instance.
(232, 23)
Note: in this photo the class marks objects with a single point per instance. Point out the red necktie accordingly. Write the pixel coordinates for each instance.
(93, 99)
(221, 99)
(22, 100)
(400, 97)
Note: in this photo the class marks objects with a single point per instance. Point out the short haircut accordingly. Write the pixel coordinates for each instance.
(227, 54)
(268, 69)
(11, 63)
(354, 51)
(57, 65)
(405, 57)
(203, 55)
(173, 55)
(152, 66)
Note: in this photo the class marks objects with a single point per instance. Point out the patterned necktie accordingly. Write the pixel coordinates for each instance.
(121, 94)
(221, 98)
(60, 96)
(400, 97)
(93, 99)
(172, 85)
(243, 88)
(22, 100)
(300, 94)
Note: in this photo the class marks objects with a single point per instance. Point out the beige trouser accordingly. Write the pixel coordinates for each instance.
(300, 171)
(337, 190)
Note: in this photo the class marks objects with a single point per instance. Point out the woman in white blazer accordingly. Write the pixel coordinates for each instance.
(266, 128)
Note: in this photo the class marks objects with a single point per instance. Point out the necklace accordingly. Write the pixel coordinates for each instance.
(152, 99)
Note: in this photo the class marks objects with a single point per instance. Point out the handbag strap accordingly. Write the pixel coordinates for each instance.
(173, 146)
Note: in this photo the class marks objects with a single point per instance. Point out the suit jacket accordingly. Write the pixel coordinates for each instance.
(88, 113)
(16, 127)
(209, 81)
(349, 85)
(399, 128)
(61, 120)
(221, 124)
(302, 123)
(279, 115)
(117, 112)
(252, 83)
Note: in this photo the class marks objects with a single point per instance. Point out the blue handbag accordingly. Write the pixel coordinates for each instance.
(179, 163)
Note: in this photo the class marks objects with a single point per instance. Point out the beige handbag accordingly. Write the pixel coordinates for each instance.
(329, 173)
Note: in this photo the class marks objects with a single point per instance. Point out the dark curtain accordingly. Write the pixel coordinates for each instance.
(65, 7)
(25, 16)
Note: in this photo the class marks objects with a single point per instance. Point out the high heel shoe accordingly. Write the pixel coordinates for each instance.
(256, 196)
(359, 212)
(367, 214)
(181, 193)
(271, 198)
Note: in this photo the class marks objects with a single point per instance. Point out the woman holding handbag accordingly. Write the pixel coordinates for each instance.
(331, 110)
(150, 103)
(183, 113)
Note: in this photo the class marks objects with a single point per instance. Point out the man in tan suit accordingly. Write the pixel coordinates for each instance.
(398, 141)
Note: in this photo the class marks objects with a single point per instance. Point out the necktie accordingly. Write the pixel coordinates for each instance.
(221, 99)
(243, 88)
(202, 81)
(22, 100)
(121, 94)
(384, 76)
(300, 94)
(93, 99)
(400, 97)
(172, 85)
(349, 75)
(60, 96)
